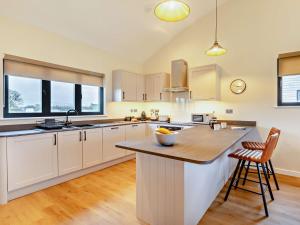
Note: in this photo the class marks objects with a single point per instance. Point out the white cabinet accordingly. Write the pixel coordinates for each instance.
(140, 88)
(31, 159)
(155, 84)
(69, 151)
(112, 135)
(124, 86)
(135, 132)
(204, 82)
(92, 147)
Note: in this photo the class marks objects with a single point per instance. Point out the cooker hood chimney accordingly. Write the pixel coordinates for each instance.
(179, 77)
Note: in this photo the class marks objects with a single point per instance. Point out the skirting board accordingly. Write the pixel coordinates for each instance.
(292, 173)
(45, 184)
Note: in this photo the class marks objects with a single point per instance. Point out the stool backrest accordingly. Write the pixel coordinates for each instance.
(273, 131)
(269, 147)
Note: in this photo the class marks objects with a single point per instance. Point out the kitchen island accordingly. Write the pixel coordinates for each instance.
(177, 184)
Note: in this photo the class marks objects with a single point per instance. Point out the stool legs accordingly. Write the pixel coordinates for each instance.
(274, 176)
(267, 180)
(232, 179)
(240, 172)
(262, 190)
(246, 174)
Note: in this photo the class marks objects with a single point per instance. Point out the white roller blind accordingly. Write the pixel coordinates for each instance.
(35, 69)
(289, 64)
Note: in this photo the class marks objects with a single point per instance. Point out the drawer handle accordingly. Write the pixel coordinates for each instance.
(55, 142)
(123, 95)
(114, 128)
(135, 125)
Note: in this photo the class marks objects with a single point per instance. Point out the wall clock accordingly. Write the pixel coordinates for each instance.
(238, 86)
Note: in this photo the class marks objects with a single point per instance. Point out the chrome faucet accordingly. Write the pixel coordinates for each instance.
(68, 122)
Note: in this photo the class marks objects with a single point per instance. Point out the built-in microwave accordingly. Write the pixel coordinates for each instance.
(202, 118)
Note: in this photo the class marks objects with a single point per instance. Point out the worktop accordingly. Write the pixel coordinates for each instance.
(199, 144)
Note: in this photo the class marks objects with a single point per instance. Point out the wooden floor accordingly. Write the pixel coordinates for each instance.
(108, 197)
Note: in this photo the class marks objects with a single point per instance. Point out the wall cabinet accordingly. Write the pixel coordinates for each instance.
(112, 135)
(31, 159)
(155, 84)
(92, 147)
(204, 82)
(135, 132)
(69, 151)
(127, 86)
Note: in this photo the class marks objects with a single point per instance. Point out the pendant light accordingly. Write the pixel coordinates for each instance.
(172, 11)
(216, 49)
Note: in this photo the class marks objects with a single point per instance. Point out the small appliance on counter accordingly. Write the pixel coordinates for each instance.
(202, 118)
(143, 116)
(128, 118)
(50, 124)
(154, 114)
(164, 118)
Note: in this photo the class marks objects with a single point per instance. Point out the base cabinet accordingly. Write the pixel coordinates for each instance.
(31, 159)
(135, 132)
(92, 147)
(69, 151)
(112, 135)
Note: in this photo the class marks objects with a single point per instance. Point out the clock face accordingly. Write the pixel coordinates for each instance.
(238, 86)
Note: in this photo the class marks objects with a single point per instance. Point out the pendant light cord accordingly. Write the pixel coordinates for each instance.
(216, 33)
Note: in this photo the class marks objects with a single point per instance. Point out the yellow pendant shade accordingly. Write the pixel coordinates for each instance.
(172, 11)
(216, 50)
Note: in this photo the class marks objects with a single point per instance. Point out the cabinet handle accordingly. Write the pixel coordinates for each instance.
(55, 142)
(84, 135)
(145, 97)
(114, 128)
(160, 96)
(135, 125)
(123, 95)
(190, 94)
(80, 136)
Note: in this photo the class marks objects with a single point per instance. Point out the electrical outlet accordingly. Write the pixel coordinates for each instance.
(229, 111)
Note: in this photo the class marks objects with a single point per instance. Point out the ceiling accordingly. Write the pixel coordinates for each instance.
(124, 28)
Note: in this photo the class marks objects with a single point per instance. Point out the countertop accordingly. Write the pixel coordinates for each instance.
(199, 144)
(100, 125)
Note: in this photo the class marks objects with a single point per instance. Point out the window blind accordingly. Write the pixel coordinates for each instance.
(289, 64)
(19, 66)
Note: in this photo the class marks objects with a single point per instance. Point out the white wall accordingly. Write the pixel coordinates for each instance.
(27, 41)
(254, 32)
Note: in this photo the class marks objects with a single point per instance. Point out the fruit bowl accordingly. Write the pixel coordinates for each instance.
(166, 139)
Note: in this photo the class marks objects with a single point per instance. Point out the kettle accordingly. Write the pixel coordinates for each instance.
(143, 116)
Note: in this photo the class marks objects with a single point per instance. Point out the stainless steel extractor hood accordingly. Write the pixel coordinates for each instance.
(179, 77)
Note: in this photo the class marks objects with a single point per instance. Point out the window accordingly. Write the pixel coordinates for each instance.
(29, 97)
(24, 95)
(62, 96)
(90, 100)
(289, 79)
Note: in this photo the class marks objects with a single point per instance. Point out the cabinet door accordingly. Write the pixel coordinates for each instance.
(162, 82)
(140, 88)
(31, 159)
(129, 86)
(135, 132)
(150, 90)
(204, 83)
(69, 151)
(92, 147)
(112, 135)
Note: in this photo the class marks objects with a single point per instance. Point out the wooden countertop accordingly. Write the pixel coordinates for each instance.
(199, 144)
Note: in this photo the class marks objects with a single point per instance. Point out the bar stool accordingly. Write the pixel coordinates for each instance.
(259, 157)
(260, 146)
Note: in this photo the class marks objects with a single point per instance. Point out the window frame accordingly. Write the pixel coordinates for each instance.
(279, 91)
(46, 102)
